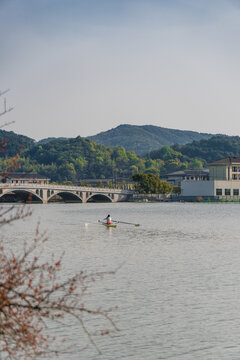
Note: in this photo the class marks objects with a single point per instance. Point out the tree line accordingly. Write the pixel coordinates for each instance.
(76, 159)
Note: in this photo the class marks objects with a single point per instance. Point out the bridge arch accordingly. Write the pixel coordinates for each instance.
(66, 196)
(99, 198)
(19, 195)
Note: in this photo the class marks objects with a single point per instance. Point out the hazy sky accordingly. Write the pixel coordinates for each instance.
(78, 67)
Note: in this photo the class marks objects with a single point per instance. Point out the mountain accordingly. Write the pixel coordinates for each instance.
(49, 139)
(146, 138)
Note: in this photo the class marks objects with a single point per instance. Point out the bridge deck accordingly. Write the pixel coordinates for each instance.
(45, 192)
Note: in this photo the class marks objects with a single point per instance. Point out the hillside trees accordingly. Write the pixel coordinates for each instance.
(86, 160)
(173, 159)
(11, 142)
(218, 147)
(89, 160)
(78, 159)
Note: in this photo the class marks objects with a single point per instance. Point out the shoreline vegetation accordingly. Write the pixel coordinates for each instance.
(77, 160)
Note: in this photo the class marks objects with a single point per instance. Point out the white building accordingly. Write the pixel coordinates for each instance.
(176, 177)
(223, 183)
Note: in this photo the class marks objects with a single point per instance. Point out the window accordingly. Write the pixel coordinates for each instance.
(234, 169)
(236, 192)
(227, 192)
(218, 191)
(234, 176)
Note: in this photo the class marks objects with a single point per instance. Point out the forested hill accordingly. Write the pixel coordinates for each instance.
(217, 147)
(146, 138)
(77, 159)
(11, 143)
(197, 154)
(49, 139)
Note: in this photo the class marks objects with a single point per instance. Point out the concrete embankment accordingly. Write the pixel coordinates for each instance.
(150, 197)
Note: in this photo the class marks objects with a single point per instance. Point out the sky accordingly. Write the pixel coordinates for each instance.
(79, 67)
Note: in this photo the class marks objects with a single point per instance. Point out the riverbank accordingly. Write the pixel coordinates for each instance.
(151, 197)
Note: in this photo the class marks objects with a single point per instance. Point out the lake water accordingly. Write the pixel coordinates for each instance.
(178, 287)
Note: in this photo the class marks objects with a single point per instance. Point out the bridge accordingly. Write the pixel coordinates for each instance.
(45, 193)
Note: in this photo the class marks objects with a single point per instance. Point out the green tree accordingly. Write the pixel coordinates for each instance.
(69, 172)
(196, 164)
(165, 187)
(146, 183)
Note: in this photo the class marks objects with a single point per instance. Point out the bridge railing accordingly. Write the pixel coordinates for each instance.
(66, 187)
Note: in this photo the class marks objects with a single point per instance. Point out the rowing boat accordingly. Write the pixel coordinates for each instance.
(109, 225)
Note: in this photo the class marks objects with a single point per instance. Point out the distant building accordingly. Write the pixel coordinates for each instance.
(176, 177)
(23, 178)
(225, 169)
(223, 183)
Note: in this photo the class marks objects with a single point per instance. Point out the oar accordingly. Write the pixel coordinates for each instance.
(124, 222)
(102, 221)
(93, 223)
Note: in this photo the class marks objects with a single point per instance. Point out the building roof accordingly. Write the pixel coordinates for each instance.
(189, 173)
(226, 161)
(21, 176)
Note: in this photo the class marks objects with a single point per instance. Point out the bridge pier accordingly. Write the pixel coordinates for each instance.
(84, 197)
(45, 196)
(115, 198)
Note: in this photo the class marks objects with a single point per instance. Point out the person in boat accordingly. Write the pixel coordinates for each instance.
(108, 219)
